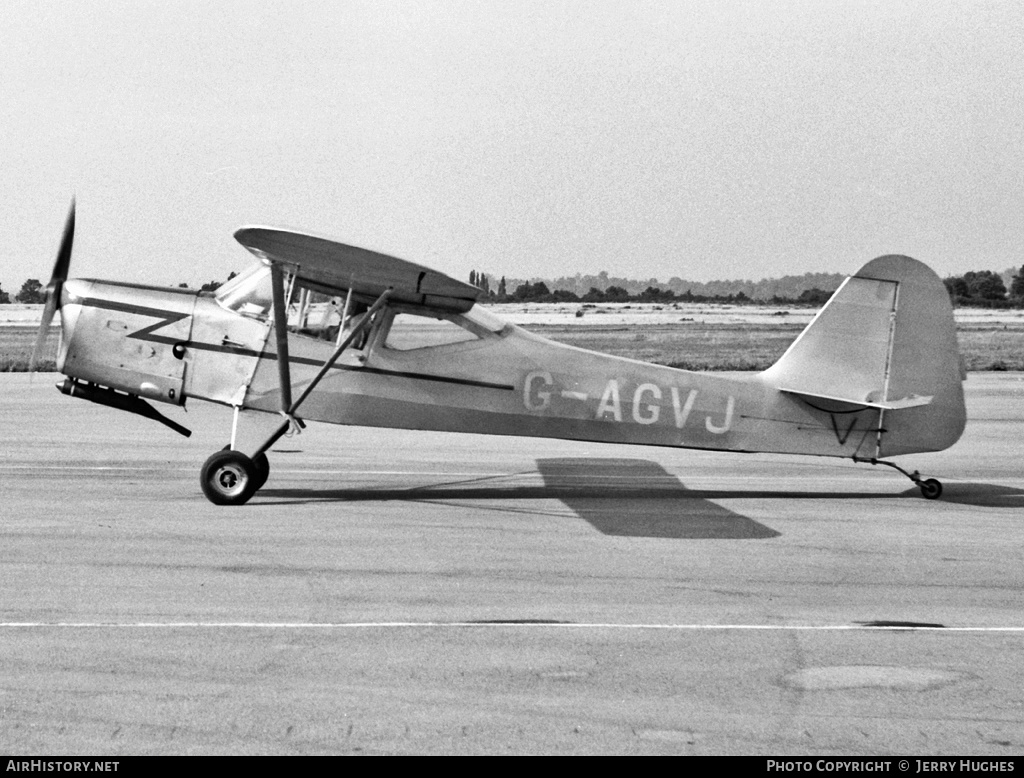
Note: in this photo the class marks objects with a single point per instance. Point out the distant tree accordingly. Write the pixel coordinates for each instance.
(813, 297)
(502, 290)
(532, 292)
(480, 281)
(4, 297)
(540, 291)
(985, 285)
(213, 286)
(32, 291)
(594, 295)
(616, 294)
(956, 286)
(1017, 285)
(564, 296)
(653, 294)
(183, 285)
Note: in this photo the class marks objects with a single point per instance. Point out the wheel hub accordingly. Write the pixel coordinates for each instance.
(230, 479)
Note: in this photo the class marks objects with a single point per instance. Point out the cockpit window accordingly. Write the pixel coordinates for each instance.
(250, 293)
(309, 312)
(316, 314)
(409, 332)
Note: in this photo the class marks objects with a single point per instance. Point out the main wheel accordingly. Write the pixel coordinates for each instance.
(262, 465)
(930, 489)
(229, 478)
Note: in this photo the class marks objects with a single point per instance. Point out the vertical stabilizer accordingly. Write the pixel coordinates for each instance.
(886, 339)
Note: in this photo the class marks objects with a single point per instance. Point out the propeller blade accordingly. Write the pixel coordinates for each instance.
(44, 329)
(63, 262)
(56, 285)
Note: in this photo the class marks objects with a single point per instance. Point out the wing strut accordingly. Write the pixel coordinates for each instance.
(293, 407)
(281, 331)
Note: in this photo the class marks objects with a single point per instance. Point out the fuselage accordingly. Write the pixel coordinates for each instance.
(436, 370)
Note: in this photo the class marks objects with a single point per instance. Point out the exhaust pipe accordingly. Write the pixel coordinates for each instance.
(101, 395)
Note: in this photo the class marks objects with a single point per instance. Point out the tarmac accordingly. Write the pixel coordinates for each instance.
(392, 592)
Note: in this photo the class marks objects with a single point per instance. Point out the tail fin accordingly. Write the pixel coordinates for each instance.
(886, 340)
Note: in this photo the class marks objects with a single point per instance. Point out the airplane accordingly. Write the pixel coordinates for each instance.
(317, 330)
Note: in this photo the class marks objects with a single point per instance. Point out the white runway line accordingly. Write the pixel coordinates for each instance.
(502, 624)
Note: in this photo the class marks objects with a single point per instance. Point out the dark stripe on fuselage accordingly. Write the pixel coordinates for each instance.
(145, 287)
(170, 317)
(142, 310)
(428, 377)
(146, 333)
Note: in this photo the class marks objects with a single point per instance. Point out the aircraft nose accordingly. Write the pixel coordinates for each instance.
(73, 293)
(74, 290)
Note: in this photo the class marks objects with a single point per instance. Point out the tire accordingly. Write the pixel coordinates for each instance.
(930, 489)
(228, 478)
(262, 465)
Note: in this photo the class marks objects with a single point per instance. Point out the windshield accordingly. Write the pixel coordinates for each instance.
(250, 294)
(484, 318)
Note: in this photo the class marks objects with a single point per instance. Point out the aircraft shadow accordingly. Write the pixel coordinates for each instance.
(620, 497)
(638, 498)
(635, 498)
(981, 495)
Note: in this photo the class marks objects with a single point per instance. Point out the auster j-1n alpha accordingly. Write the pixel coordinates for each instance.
(318, 330)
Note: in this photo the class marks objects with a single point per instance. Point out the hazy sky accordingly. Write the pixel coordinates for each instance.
(718, 139)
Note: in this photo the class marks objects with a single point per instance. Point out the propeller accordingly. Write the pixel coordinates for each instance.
(56, 285)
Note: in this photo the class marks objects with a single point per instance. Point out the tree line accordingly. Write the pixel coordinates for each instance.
(985, 288)
(604, 287)
(33, 291)
(981, 288)
(539, 292)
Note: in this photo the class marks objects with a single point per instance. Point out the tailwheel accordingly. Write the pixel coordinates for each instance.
(930, 489)
(229, 478)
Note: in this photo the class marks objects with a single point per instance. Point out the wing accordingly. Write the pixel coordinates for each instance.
(337, 267)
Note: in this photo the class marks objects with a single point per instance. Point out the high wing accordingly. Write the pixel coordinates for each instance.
(335, 267)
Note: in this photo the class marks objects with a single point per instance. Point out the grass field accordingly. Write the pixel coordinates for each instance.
(689, 345)
(695, 346)
(692, 346)
(999, 347)
(16, 344)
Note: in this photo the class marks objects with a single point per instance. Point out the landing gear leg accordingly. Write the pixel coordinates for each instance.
(931, 489)
(229, 477)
